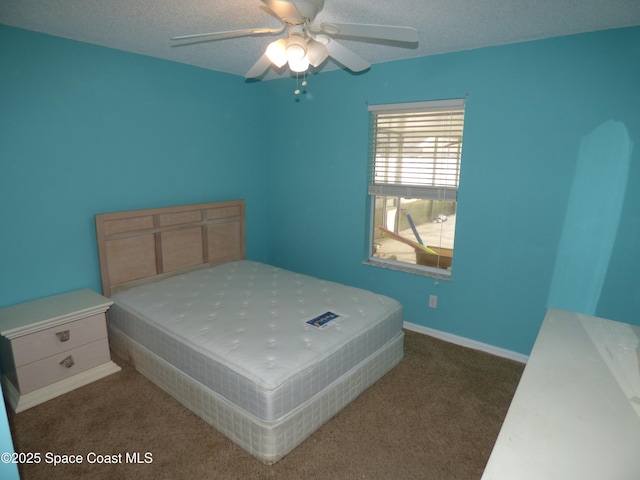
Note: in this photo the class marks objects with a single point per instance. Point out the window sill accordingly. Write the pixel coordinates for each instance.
(422, 270)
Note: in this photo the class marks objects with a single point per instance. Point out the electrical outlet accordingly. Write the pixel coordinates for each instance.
(433, 301)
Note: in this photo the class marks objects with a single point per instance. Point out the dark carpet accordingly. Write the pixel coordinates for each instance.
(434, 416)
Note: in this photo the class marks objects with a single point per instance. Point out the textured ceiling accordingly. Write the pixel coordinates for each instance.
(145, 26)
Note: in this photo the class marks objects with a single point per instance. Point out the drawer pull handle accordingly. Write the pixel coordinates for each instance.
(68, 362)
(63, 336)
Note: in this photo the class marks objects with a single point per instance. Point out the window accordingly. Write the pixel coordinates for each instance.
(414, 167)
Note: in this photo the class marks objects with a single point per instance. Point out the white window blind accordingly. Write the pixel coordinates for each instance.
(416, 149)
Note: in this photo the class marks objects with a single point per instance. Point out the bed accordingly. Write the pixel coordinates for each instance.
(264, 355)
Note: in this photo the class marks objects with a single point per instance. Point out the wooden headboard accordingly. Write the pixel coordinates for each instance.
(136, 245)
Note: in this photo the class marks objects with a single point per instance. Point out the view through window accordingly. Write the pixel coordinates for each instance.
(414, 170)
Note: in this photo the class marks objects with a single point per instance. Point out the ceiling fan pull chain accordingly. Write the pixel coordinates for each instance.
(304, 82)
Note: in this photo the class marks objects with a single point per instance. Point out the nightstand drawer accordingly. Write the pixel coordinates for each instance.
(51, 341)
(63, 365)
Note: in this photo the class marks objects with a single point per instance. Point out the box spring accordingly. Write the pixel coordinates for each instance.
(267, 441)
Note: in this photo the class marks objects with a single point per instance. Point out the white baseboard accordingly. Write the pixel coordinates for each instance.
(467, 342)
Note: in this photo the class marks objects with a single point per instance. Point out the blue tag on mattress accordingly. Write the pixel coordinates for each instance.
(323, 319)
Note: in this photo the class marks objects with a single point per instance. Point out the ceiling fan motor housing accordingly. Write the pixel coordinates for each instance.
(308, 9)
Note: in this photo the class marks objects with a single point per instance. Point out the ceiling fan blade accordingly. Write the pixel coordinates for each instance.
(231, 34)
(259, 67)
(346, 57)
(376, 32)
(284, 10)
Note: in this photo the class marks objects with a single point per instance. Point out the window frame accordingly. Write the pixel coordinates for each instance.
(447, 193)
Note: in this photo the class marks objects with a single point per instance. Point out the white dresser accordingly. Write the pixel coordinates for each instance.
(53, 345)
(576, 412)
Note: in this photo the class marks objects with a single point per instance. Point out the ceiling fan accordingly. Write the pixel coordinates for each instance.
(307, 43)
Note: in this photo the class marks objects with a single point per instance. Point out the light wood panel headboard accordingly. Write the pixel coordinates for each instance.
(136, 245)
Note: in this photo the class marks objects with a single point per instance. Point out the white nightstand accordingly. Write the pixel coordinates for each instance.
(52, 346)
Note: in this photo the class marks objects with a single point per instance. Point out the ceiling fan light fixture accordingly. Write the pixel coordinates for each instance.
(299, 66)
(277, 52)
(316, 52)
(296, 48)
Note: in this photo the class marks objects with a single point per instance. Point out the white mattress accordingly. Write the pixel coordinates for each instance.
(240, 329)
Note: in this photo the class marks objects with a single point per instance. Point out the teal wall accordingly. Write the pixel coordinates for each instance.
(85, 129)
(8, 471)
(529, 107)
(591, 221)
